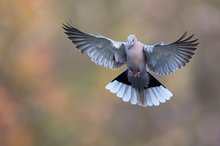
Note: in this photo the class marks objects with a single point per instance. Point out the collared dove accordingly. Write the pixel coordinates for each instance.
(135, 84)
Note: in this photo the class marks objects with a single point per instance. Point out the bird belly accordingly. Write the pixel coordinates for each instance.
(135, 60)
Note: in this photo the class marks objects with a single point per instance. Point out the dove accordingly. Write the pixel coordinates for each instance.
(136, 84)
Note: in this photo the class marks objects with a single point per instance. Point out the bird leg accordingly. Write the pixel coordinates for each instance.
(137, 74)
(134, 74)
(130, 73)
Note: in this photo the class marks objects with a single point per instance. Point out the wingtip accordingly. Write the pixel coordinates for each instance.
(182, 37)
(189, 40)
(66, 27)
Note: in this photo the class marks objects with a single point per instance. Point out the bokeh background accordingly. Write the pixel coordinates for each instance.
(51, 95)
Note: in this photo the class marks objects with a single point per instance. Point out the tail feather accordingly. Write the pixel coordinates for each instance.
(152, 95)
(141, 96)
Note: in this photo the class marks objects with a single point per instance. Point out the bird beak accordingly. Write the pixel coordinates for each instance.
(128, 45)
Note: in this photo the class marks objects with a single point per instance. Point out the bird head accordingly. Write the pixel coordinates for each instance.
(132, 39)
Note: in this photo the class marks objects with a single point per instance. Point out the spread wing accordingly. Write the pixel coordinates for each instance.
(166, 58)
(102, 51)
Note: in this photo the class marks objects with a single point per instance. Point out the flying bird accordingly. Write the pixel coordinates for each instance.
(135, 85)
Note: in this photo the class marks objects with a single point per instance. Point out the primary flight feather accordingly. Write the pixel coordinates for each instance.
(135, 84)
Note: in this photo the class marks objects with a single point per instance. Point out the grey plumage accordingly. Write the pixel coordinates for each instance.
(166, 58)
(101, 50)
(136, 84)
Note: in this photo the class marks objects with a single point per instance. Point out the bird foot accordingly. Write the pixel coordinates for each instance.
(132, 74)
(137, 75)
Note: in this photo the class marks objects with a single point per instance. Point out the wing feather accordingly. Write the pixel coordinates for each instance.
(166, 58)
(102, 51)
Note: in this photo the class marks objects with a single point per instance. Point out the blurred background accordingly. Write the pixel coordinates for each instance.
(51, 95)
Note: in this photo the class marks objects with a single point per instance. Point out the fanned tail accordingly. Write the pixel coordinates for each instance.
(151, 95)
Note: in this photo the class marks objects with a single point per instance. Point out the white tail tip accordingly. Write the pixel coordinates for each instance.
(152, 96)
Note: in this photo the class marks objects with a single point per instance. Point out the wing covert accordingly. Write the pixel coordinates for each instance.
(166, 58)
(102, 51)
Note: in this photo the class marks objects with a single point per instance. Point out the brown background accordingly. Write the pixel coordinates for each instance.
(51, 95)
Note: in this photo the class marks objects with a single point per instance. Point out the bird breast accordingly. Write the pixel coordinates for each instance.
(135, 55)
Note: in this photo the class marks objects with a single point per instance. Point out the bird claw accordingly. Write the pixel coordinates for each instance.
(136, 75)
(130, 73)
